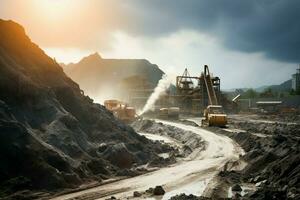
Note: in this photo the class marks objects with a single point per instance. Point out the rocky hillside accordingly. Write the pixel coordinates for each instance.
(51, 135)
(105, 77)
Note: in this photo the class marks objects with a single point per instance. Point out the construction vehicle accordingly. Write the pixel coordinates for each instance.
(213, 114)
(121, 110)
(169, 113)
(163, 113)
(111, 104)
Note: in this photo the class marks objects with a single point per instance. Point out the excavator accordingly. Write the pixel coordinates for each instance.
(214, 114)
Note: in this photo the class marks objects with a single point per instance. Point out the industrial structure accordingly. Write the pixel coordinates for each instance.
(269, 106)
(195, 93)
(190, 96)
(296, 80)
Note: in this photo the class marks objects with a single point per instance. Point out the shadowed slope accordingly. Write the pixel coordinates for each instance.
(51, 135)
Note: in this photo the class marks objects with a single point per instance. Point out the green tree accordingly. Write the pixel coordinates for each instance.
(267, 93)
(250, 94)
(281, 95)
(293, 92)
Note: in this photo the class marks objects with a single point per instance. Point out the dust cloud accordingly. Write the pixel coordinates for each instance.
(161, 87)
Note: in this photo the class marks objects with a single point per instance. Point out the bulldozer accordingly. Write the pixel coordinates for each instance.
(121, 110)
(213, 114)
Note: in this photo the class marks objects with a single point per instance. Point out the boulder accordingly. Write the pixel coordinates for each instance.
(187, 197)
(136, 194)
(159, 190)
(111, 198)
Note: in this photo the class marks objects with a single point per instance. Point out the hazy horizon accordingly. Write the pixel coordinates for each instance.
(246, 44)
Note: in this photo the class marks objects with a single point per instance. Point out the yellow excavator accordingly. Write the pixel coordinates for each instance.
(214, 114)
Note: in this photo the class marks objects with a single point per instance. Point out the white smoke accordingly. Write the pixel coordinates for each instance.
(161, 87)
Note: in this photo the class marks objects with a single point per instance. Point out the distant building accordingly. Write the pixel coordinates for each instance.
(296, 80)
(269, 106)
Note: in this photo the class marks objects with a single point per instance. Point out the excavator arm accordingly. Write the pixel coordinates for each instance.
(209, 86)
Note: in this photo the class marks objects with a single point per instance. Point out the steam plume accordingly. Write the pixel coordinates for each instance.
(161, 87)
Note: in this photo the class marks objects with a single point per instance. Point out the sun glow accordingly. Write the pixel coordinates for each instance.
(67, 55)
(54, 9)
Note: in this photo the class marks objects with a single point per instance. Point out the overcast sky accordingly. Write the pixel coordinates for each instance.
(245, 43)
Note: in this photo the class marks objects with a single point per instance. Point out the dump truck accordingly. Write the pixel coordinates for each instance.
(169, 113)
(213, 114)
(121, 110)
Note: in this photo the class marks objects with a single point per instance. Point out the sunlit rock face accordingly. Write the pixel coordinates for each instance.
(51, 135)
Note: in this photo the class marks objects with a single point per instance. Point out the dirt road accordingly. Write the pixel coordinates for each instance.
(187, 176)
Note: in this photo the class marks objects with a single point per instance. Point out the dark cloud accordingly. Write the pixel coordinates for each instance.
(268, 26)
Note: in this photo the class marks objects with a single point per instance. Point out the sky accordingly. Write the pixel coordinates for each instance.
(245, 43)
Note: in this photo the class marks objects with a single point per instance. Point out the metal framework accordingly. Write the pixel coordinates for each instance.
(193, 93)
(193, 98)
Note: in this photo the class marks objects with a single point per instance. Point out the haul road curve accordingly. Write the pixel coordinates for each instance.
(188, 176)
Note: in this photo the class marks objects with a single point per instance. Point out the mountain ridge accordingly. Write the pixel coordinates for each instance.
(97, 75)
(285, 86)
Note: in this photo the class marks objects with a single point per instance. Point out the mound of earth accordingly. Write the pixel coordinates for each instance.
(51, 135)
(190, 143)
(273, 156)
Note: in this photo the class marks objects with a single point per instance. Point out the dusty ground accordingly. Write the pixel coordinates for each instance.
(191, 174)
(214, 164)
(272, 152)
